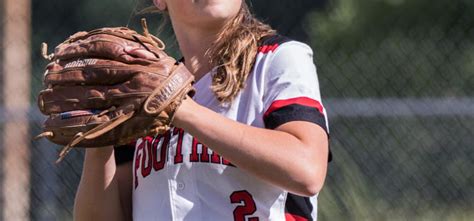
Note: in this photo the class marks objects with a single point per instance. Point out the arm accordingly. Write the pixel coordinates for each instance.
(98, 196)
(293, 156)
(125, 181)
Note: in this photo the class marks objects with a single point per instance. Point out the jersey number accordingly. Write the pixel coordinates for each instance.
(246, 208)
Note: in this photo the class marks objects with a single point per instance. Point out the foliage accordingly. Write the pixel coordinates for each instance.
(392, 48)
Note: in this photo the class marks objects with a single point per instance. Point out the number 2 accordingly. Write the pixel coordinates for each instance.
(247, 207)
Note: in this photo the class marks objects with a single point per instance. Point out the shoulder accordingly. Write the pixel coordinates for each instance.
(283, 69)
(281, 57)
(280, 45)
(277, 54)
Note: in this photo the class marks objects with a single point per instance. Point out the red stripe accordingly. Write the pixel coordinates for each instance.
(268, 48)
(305, 101)
(291, 217)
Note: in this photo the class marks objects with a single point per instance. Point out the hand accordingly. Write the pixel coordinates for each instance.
(105, 65)
(181, 112)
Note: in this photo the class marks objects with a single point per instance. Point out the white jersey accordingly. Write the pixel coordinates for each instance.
(178, 178)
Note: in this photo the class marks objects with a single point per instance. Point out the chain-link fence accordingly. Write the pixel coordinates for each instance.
(397, 79)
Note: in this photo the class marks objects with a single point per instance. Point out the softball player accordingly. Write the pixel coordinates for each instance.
(252, 144)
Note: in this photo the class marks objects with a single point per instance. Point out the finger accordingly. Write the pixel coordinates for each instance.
(140, 53)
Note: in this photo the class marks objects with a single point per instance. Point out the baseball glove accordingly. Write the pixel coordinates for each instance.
(97, 94)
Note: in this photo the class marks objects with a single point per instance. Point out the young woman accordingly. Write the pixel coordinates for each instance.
(252, 144)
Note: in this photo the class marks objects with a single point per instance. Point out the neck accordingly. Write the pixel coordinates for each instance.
(193, 43)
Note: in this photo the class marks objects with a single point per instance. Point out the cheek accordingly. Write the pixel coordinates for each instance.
(181, 9)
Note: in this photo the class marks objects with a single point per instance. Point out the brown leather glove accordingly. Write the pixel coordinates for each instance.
(97, 94)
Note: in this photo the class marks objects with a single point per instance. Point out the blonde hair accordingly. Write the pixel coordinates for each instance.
(234, 51)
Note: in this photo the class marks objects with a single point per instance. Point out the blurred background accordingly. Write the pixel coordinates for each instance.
(397, 79)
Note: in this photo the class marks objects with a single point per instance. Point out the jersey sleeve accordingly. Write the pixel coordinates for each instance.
(292, 88)
(124, 153)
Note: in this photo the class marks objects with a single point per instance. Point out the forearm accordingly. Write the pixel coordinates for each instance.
(97, 196)
(275, 156)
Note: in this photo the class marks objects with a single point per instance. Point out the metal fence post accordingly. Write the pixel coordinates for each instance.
(16, 94)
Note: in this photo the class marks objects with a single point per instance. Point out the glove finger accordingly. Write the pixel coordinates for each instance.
(60, 99)
(93, 71)
(105, 46)
(67, 125)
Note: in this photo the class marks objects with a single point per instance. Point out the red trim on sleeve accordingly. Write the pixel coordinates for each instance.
(291, 217)
(305, 101)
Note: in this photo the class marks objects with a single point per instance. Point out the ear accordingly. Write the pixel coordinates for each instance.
(160, 4)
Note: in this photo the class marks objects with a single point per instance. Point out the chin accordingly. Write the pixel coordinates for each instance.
(218, 15)
(220, 9)
(204, 13)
